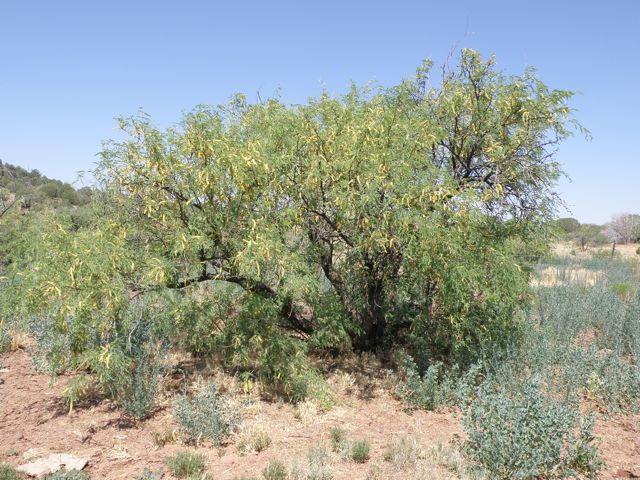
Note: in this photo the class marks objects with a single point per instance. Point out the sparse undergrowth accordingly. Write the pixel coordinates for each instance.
(253, 440)
(186, 464)
(276, 470)
(524, 434)
(8, 472)
(206, 416)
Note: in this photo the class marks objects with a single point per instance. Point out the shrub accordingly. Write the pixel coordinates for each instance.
(255, 440)
(453, 458)
(402, 452)
(186, 464)
(149, 475)
(53, 352)
(318, 468)
(7, 472)
(360, 451)
(5, 337)
(438, 387)
(140, 389)
(208, 415)
(275, 471)
(524, 434)
(338, 439)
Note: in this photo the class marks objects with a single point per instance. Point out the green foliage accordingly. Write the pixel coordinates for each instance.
(318, 468)
(402, 452)
(339, 442)
(439, 387)
(255, 440)
(525, 434)
(7, 472)
(360, 451)
(206, 416)
(567, 226)
(5, 336)
(260, 231)
(53, 352)
(186, 464)
(589, 235)
(33, 190)
(276, 470)
(140, 388)
(150, 475)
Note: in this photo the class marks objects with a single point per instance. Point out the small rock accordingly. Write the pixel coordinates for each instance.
(52, 464)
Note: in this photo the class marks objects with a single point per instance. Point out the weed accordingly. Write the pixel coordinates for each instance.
(150, 475)
(403, 452)
(437, 388)
(374, 473)
(5, 337)
(79, 388)
(254, 440)
(186, 464)
(7, 472)
(164, 437)
(360, 451)
(339, 441)
(276, 470)
(53, 352)
(522, 433)
(453, 459)
(141, 387)
(207, 415)
(318, 468)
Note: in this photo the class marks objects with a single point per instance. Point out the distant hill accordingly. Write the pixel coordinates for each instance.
(32, 189)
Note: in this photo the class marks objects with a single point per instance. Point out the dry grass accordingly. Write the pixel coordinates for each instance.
(552, 276)
(566, 249)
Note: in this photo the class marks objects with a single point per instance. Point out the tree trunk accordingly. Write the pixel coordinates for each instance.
(372, 320)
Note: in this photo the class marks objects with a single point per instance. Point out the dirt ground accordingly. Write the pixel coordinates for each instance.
(33, 415)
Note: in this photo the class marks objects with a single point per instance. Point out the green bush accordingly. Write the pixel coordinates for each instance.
(402, 452)
(360, 451)
(140, 388)
(438, 387)
(338, 439)
(276, 470)
(8, 472)
(53, 353)
(5, 337)
(524, 434)
(207, 416)
(186, 464)
(255, 440)
(318, 468)
(150, 475)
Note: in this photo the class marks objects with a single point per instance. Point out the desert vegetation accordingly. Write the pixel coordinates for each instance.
(261, 256)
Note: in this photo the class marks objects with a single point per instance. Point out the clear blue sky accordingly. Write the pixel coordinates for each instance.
(69, 67)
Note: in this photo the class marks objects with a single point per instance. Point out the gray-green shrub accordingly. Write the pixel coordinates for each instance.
(206, 416)
(276, 470)
(186, 464)
(525, 434)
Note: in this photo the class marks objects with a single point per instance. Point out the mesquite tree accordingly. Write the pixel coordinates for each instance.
(368, 218)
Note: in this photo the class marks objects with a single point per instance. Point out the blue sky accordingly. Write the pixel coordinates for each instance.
(69, 67)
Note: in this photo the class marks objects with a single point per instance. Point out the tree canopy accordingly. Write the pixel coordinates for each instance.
(382, 216)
